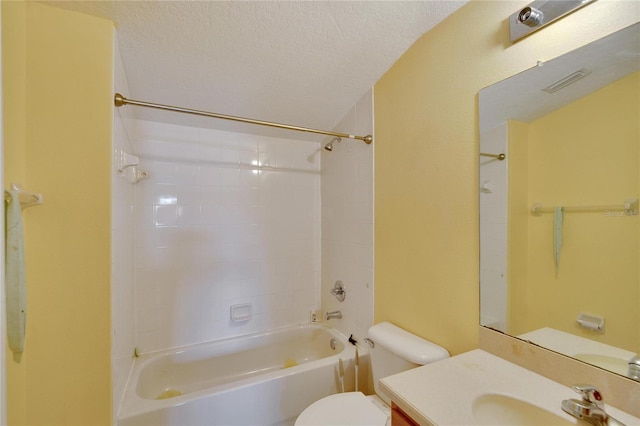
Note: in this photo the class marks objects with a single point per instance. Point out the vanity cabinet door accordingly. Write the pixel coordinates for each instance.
(400, 418)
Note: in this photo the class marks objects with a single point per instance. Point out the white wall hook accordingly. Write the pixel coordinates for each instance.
(124, 160)
(127, 166)
(133, 174)
(486, 187)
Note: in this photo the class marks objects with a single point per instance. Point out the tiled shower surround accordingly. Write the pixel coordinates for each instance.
(122, 247)
(223, 219)
(347, 222)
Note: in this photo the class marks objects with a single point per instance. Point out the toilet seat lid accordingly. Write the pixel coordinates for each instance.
(350, 408)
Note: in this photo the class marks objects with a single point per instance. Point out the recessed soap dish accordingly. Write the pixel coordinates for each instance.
(241, 312)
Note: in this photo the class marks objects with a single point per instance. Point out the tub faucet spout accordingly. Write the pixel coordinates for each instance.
(333, 315)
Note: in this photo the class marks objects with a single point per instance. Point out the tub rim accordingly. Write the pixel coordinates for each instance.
(133, 404)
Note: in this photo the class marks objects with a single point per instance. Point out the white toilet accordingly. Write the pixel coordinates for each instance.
(395, 350)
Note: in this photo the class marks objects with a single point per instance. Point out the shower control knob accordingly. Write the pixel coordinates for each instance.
(339, 291)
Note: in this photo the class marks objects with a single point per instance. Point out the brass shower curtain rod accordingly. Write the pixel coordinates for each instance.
(500, 156)
(120, 100)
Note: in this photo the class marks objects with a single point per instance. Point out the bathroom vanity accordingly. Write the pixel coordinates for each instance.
(478, 388)
(542, 310)
(400, 418)
(543, 298)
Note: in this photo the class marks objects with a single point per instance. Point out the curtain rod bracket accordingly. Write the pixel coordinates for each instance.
(119, 100)
(499, 157)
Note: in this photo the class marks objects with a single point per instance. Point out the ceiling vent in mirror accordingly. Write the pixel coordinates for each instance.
(566, 81)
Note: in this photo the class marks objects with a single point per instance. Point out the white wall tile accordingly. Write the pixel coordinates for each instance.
(210, 233)
(347, 222)
(122, 247)
(493, 229)
(230, 218)
(230, 177)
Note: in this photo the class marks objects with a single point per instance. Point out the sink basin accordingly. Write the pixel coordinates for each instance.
(611, 363)
(493, 409)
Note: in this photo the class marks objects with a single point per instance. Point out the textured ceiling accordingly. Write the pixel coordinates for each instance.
(303, 63)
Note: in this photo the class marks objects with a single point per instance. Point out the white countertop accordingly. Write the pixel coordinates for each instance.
(443, 393)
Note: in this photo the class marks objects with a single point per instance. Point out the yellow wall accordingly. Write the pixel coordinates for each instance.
(518, 220)
(14, 116)
(426, 164)
(58, 112)
(584, 154)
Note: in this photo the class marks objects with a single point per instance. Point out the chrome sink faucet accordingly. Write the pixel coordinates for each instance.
(590, 408)
(333, 315)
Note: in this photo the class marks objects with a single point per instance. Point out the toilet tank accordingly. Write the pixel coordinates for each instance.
(396, 350)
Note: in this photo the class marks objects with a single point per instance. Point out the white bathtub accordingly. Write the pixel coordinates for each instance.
(260, 379)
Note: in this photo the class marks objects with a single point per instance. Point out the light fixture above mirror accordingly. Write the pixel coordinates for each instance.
(539, 14)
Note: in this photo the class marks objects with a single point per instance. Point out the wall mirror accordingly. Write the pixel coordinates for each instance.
(559, 224)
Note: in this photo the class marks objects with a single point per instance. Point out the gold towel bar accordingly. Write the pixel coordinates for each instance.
(630, 208)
